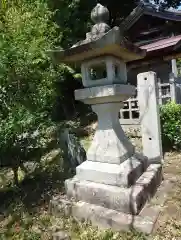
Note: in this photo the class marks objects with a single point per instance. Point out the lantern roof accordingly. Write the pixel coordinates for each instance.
(101, 41)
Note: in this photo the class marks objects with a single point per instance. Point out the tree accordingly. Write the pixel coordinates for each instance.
(27, 79)
(73, 16)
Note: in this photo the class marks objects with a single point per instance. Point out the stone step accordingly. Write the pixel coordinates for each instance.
(124, 174)
(104, 217)
(127, 200)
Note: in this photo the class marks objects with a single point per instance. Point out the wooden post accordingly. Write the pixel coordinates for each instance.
(174, 67)
(172, 87)
(173, 81)
(159, 91)
(130, 108)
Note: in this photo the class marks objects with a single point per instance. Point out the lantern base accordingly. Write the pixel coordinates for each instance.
(129, 200)
(112, 207)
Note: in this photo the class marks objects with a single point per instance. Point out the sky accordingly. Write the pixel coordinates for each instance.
(178, 7)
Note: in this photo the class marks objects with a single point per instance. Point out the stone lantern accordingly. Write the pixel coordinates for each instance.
(115, 182)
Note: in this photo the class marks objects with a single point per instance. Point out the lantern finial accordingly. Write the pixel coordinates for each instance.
(100, 16)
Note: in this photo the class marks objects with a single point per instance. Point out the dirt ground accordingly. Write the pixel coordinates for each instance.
(169, 221)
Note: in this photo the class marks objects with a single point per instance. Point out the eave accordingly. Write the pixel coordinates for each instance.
(112, 44)
(150, 10)
(172, 42)
(162, 50)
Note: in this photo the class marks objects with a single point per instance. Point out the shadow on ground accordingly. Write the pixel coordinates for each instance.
(36, 189)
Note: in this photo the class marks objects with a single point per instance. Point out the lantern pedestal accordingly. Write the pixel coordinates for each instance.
(111, 188)
(114, 175)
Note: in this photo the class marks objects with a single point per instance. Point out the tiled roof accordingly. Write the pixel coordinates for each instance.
(164, 43)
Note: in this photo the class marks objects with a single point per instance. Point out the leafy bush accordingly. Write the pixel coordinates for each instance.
(23, 138)
(171, 125)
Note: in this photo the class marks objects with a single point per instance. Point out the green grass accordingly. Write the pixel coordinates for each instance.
(86, 142)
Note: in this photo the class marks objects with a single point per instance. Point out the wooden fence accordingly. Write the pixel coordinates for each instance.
(129, 115)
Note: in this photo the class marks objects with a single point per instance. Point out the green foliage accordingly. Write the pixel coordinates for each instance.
(171, 125)
(27, 79)
(26, 73)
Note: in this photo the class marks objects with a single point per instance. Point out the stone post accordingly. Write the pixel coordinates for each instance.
(172, 87)
(149, 116)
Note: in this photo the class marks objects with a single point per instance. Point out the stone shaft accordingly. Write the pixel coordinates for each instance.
(110, 144)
